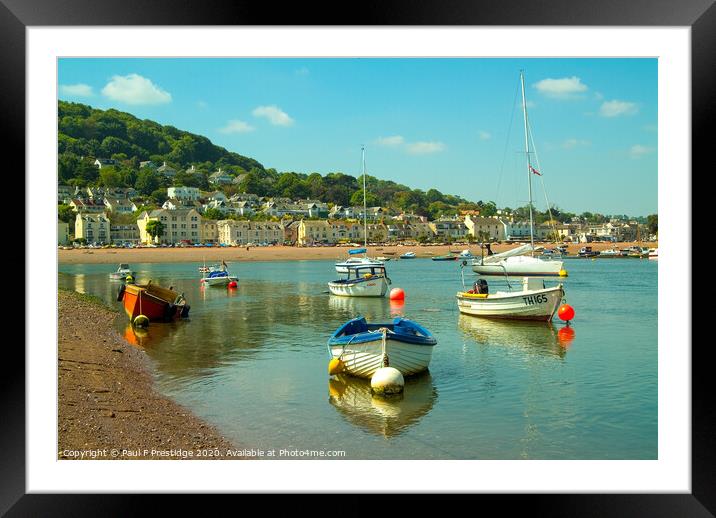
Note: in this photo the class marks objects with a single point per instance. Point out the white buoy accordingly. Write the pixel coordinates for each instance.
(387, 380)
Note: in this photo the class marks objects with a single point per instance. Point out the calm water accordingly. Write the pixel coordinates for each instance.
(253, 361)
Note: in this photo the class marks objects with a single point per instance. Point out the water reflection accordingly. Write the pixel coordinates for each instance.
(369, 307)
(386, 417)
(539, 338)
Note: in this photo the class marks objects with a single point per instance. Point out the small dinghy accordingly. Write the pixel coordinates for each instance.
(362, 347)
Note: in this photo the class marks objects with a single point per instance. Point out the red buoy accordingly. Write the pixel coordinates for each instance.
(397, 294)
(233, 284)
(565, 312)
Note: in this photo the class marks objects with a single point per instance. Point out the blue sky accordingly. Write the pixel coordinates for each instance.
(442, 123)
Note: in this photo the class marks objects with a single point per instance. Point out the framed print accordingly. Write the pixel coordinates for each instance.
(323, 248)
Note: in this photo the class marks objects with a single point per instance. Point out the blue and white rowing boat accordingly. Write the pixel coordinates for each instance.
(364, 348)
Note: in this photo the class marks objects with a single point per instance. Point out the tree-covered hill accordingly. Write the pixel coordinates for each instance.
(88, 132)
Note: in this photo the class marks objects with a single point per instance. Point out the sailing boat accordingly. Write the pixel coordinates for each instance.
(343, 266)
(365, 277)
(512, 262)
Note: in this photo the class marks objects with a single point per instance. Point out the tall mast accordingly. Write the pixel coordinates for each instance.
(529, 165)
(365, 209)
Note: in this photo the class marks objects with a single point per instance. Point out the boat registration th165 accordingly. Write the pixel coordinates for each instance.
(535, 299)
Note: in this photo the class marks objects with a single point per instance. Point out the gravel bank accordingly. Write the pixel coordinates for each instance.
(107, 406)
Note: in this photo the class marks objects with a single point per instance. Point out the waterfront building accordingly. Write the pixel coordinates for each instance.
(180, 225)
(94, 228)
(484, 229)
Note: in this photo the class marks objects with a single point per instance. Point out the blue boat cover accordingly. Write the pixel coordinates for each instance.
(401, 329)
(357, 251)
(213, 275)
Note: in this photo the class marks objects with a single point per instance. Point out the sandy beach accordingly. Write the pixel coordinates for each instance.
(107, 406)
(279, 253)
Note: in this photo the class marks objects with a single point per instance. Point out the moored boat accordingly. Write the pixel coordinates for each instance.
(363, 347)
(653, 253)
(533, 302)
(361, 281)
(514, 264)
(153, 301)
(218, 276)
(121, 273)
(445, 258)
(408, 255)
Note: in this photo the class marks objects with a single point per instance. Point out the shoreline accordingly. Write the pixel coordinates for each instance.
(283, 253)
(107, 405)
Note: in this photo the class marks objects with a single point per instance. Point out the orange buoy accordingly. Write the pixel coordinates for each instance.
(396, 307)
(565, 336)
(233, 284)
(397, 294)
(565, 312)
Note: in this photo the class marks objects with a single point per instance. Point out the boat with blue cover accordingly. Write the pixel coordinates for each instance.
(218, 276)
(365, 347)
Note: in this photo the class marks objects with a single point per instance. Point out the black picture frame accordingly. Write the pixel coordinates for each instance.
(700, 15)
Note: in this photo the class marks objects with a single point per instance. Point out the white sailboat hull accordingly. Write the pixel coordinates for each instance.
(362, 360)
(521, 305)
(518, 266)
(376, 287)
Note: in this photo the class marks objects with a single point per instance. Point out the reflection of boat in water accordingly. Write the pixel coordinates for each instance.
(534, 338)
(386, 417)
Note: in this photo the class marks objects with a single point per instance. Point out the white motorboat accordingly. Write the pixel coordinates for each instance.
(361, 281)
(121, 273)
(533, 301)
(653, 253)
(408, 255)
(342, 267)
(363, 348)
(510, 262)
(466, 254)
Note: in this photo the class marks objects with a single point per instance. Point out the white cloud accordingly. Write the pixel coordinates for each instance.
(572, 143)
(135, 89)
(423, 148)
(485, 135)
(274, 114)
(236, 126)
(616, 108)
(638, 151)
(78, 90)
(395, 140)
(563, 88)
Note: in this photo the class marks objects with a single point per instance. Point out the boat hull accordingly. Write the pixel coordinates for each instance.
(538, 305)
(219, 281)
(375, 287)
(520, 266)
(363, 359)
(157, 304)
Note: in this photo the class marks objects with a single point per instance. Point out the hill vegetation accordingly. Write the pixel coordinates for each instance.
(86, 133)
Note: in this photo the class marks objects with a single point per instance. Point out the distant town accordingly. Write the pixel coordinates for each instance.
(189, 216)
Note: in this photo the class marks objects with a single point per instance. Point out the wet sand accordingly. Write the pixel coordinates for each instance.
(280, 253)
(107, 406)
